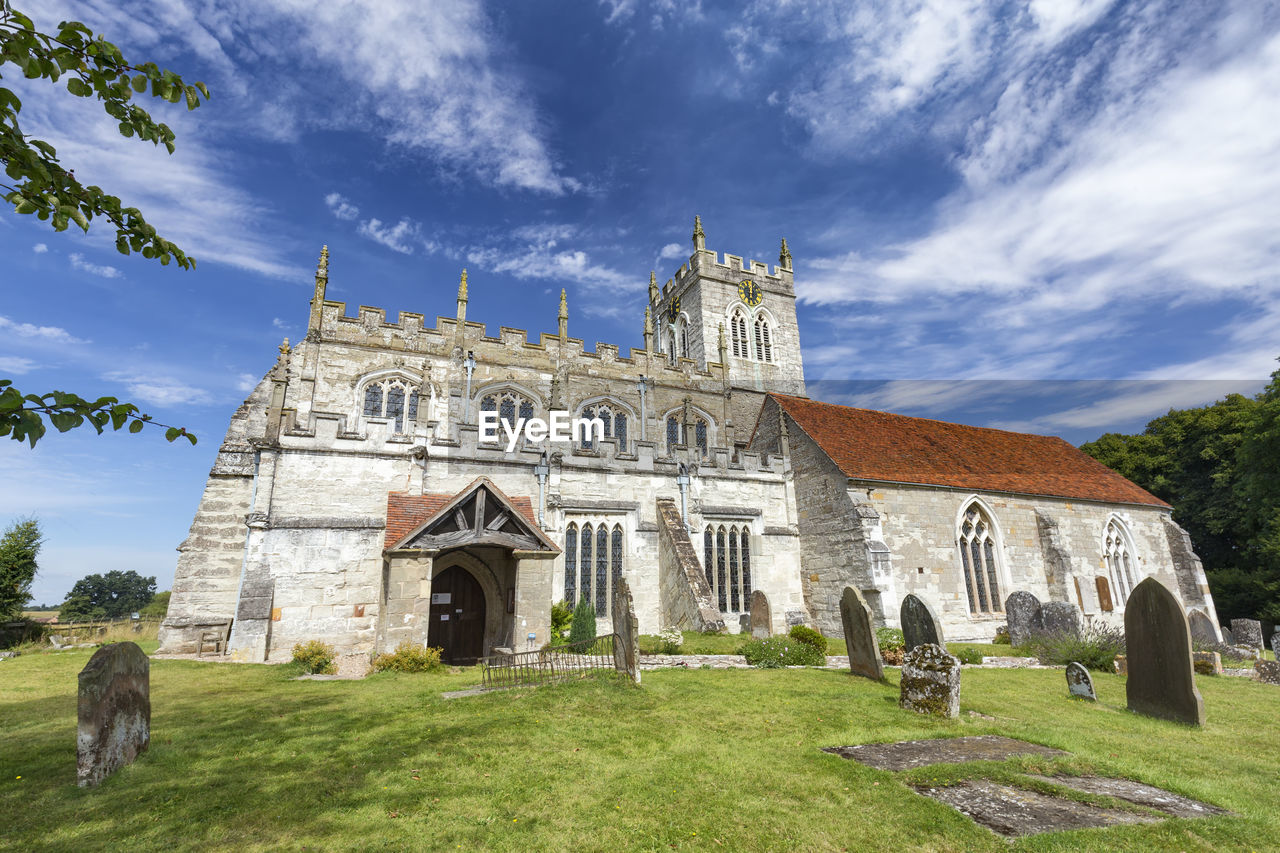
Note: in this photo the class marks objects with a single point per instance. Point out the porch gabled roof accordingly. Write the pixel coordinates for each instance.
(480, 514)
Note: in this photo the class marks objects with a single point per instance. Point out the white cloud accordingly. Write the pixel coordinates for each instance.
(246, 382)
(15, 366)
(277, 323)
(159, 390)
(39, 248)
(399, 237)
(53, 334)
(671, 251)
(1133, 402)
(101, 270)
(340, 207)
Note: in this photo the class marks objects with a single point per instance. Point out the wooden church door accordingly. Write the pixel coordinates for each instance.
(457, 616)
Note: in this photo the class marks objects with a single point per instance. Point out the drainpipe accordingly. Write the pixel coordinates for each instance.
(541, 470)
(244, 559)
(643, 386)
(470, 365)
(682, 480)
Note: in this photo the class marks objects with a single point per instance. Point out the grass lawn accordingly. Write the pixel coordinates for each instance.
(729, 644)
(243, 757)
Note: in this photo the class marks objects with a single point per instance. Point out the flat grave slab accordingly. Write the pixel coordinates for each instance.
(1138, 793)
(1014, 811)
(920, 753)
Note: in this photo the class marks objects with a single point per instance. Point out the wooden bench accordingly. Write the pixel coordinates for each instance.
(216, 636)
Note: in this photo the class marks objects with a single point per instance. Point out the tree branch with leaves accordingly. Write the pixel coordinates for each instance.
(36, 182)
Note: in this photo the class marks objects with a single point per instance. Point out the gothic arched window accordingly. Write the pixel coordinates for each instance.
(673, 433)
(386, 398)
(511, 406)
(587, 541)
(726, 561)
(571, 564)
(741, 346)
(979, 558)
(700, 436)
(1117, 553)
(764, 341)
(593, 558)
(615, 423)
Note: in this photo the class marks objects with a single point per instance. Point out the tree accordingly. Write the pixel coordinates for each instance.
(159, 605)
(18, 549)
(583, 627)
(1219, 467)
(114, 595)
(39, 184)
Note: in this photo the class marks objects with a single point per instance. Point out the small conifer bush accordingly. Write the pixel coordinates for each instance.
(807, 635)
(561, 619)
(409, 657)
(316, 657)
(584, 622)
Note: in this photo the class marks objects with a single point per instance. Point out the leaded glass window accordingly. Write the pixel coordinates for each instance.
(709, 555)
(616, 553)
(571, 564)
(700, 436)
(615, 424)
(586, 561)
(1117, 553)
(734, 577)
(979, 560)
(386, 399)
(726, 561)
(721, 592)
(673, 433)
(507, 404)
(746, 571)
(602, 570)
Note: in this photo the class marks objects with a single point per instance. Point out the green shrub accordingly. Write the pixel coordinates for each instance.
(807, 635)
(584, 622)
(409, 657)
(669, 641)
(890, 639)
(775, 652)
(969, 656)
(1095, 648)
(561, 619)
(315, 657)
(1002, 636)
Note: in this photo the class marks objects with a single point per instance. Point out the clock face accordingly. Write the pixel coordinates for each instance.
(674, 311)
(750, 293)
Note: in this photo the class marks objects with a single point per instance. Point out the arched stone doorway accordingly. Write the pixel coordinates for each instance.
(457, 616)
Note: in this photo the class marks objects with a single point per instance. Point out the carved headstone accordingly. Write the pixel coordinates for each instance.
(1080, 683)
(1267, 671)
(114, 711)
(761, 616)
(796, 617)
(1207, 663)
(1061, 619)
(860, 636)
(1275, 644)
(1025, 617)
(919, 624)
(1247, 632)
(1202, 632)
(1161, 678)
(626, 650)
(930, 681)
(1228, 638)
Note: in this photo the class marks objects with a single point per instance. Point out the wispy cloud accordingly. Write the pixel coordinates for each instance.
(246, 382)
(400, 237)
(340, 207)
(15, 366)
(39, 248)
(54, 334)
(671, 251)
(102, 270)
(160, 390)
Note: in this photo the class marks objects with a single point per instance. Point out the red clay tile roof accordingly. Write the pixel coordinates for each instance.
(406, 511)
(870, 445)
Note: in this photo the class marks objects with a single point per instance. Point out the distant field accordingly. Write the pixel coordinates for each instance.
(244, 758)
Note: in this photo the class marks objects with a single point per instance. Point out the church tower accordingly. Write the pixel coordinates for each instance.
(756, 307)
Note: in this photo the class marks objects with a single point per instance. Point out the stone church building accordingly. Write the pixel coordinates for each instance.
(358, 499)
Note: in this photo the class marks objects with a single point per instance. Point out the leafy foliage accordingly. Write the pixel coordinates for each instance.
(775, 652)
(670, 640)
(1219, 466)
(1002, 636)
(316, 657)
(561, 619)
(114, 595)
(159, 605)
(967, 655)
(584, 622)
(890, 639)
(1096, 647)
(21, 415)
(807, 635)
(18, 550)
(409, 657)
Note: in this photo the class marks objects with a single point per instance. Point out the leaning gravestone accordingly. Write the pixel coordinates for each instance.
(930, 681)
(859, 636)
(1202, 633)
(114, 711)
(1025, 617)
(626, 650)
(1061, 619)
(761, 616)
(1228, 638)
(1247, 632)
(919, 624)
(1161, 676)
(1080, 683)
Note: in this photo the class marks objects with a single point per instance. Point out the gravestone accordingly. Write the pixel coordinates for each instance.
(919, 624)
(930, 682)
(1267, 671)
(860, 636)
(1202, 633)
(1061, 618)
(1207, 663)
(1080, 683)
(1025, 617)
(796, 617)
(1228, 638)
(1275, 644)
(761, 616)
(626, 650)
(1161, 678)
(1247, 632)
(114, 710)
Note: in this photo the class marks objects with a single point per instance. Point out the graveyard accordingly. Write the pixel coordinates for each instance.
(249, 757)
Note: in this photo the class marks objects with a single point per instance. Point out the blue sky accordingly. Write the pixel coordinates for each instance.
(1056, 216)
